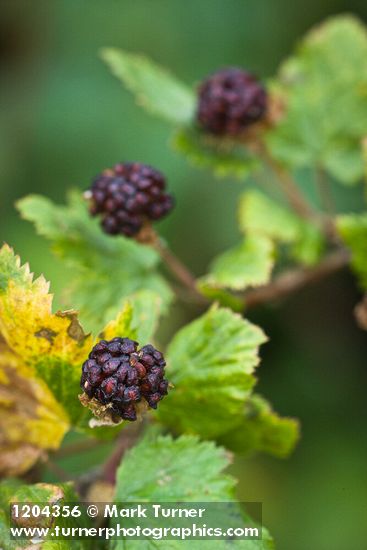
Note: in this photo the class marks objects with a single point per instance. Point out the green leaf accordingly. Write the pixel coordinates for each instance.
(146, 308)
(109, 269)
(263, 216)
(211, 363)
(224, 158)
(353, 230)
(260, 215)
(260, 429)
(171, 470)
(12, 270)
(41, 494)
(364, 152)
(324, 89)
(220, 295)
(309, 246)
(181, 470)
(248, 264)
(154, 88)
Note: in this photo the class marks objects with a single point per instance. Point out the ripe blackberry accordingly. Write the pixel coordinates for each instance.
(120, 376)
(230, 100)
(128, 195)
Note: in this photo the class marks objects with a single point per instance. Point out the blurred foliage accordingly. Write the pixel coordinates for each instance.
(324, 90)
(110, 270)
(353, 230)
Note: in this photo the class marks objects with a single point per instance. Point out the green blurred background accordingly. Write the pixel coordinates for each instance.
(63, 118)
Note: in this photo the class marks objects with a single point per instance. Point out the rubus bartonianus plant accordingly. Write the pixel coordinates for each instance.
(235, 126)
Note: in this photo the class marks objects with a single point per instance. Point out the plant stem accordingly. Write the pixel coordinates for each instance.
(326, 197)
(175, 265)
(291, 190)
(295, 197)
(292, 280)
(177, 268)
(126, 439)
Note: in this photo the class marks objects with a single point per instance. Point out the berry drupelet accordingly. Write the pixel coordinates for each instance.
(230, 100)
(127, 196)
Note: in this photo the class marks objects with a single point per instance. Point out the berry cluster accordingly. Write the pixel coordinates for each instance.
(127, 196)
(118, 374)
(229, 101)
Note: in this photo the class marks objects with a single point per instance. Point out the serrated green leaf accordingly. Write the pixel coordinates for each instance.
(211, 363)
(181, 470)
(324, 89)
(222, 157)
(260, 215)
(32, 419)
(154, 88)
(261, 429)
(146, 308)
(41, 494)
(353, 230)
(110, 269)
(248, 264)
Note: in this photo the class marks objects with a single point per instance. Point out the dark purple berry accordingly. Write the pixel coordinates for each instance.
(229, 101)
(117, 374)
(127, 196)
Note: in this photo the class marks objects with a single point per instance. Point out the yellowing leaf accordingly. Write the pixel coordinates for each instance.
(32, 330)
(31, 420)
(41, 354)
(39, 351)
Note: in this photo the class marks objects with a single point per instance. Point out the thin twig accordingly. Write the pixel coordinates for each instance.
(107, 471)
(295, 197)
(291, 190)
(176, 267)
(292, 280)
(126, 439)
(323, 186)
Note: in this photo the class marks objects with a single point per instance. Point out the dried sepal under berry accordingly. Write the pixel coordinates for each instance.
(229, 101)
(119, 379)
(128, 196)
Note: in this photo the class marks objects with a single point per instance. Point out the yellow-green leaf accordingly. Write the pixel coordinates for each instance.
(248, 264)
(31, 419)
